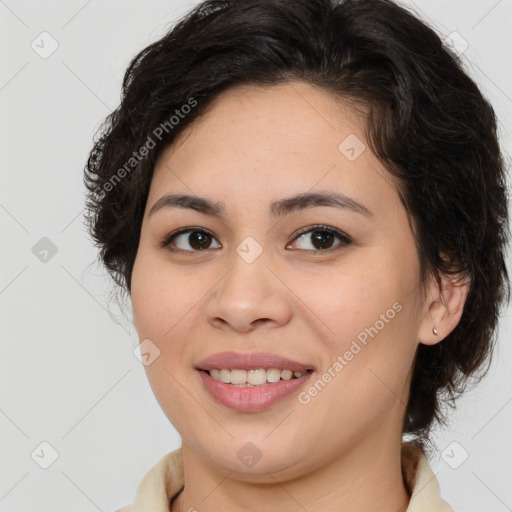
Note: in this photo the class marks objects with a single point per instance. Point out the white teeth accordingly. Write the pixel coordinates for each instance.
(225, 376)
(273, 375)
(256, 377)
(238, 376)
(286, 374)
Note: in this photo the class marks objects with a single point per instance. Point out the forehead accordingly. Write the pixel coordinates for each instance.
(258, 144)
(274, 118)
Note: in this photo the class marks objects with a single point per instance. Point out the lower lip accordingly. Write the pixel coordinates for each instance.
(251, 399)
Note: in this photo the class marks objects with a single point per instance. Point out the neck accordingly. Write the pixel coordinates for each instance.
(366, 478)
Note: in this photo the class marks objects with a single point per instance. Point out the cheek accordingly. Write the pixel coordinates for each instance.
(367, 322)
(348, 300)
(371, 350)
(161, 299)
(162, 302)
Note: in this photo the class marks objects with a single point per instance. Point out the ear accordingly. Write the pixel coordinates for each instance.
(443, 307)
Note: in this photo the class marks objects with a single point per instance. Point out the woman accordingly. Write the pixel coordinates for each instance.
(306, 203)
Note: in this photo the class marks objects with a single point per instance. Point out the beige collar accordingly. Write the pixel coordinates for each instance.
(165, 480)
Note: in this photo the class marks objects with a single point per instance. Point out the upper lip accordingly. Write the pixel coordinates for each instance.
(250, 361)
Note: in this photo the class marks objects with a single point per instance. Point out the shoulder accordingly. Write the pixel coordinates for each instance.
(420, 481)
(163, 481)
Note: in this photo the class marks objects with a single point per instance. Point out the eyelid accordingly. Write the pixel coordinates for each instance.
(168, 238)
(345, 239)
(322, 227)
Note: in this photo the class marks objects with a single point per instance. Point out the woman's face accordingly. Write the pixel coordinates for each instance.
(246, 279)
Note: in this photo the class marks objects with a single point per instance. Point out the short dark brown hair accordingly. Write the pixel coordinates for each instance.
(426, 121)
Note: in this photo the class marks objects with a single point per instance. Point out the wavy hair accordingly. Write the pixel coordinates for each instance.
(426, 121)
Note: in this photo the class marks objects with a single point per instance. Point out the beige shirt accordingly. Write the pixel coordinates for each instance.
(165, 480)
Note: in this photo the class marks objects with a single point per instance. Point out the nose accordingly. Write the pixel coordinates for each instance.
(249, 295)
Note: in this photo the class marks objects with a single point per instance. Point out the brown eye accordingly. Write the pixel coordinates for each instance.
(322, 239)
(190, 240)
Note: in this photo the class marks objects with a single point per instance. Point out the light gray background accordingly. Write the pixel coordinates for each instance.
(69, 376)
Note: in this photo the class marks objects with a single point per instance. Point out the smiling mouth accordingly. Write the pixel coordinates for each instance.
(254, 377)
(249, 390)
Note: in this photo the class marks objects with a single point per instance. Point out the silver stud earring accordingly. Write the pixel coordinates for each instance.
(434, 331)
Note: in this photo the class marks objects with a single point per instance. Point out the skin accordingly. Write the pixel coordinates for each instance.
(340, 451)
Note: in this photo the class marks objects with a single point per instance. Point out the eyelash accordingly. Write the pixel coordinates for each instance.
(345, 240)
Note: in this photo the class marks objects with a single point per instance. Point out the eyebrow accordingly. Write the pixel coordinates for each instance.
(277, 209)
